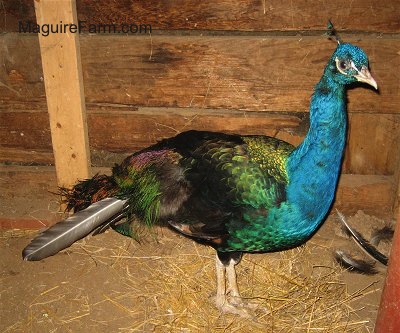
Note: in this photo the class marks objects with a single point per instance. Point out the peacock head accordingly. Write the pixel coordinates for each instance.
(350, 64)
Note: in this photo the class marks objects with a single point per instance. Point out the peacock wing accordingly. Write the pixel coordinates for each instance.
(252, 173)
(231, 178)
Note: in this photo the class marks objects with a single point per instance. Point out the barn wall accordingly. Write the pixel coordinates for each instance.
(244, 66)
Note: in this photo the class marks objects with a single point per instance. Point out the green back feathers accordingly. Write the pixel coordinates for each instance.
(270, 154)
(251, 173)
(260, 182)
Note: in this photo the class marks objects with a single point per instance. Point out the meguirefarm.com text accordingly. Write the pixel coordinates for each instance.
(82, 27)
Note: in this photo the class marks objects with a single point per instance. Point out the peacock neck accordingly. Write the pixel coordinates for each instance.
(313, 167)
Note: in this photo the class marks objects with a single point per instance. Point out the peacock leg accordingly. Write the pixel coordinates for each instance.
(225, 269)
(233, 289)
(221, 287)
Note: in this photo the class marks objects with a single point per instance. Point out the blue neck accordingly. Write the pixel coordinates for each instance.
(314, 166)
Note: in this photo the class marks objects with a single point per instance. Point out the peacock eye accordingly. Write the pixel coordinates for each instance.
(343, 65)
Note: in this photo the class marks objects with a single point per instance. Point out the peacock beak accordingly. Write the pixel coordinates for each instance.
(365, 76)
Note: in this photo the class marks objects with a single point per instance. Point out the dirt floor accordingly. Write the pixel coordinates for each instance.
(110, 283)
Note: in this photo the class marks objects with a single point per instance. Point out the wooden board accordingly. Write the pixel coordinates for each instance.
(63, 80)
(365, 192)
(140, 89)
(374, 144)
(26, 156)
(371, 149)
(396, 205)
(274, 74)
(28, 130)
(269, 74)
(127, 130)
(224, 15)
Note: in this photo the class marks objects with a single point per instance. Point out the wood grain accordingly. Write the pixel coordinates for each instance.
(371, 149)
(369, 193)
(373, 144)
(224, 15)
(63, 80)
(240, 73)
(119, 131)
(25, 156)
(256, 74)
(396, 206)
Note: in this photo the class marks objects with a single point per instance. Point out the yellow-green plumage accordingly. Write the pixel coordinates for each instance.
(271, 155)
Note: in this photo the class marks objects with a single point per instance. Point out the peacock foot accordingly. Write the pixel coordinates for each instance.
(234, 308)
(240, 302)
(241, 307)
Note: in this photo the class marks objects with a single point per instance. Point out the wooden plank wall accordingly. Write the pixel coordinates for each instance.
(243, 66)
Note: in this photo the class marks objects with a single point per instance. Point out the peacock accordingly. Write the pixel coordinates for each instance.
(236, 193)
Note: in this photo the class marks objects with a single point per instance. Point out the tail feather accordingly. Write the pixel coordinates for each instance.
(111, 222)
(66, 232)
(362, 242)
(383, 234)
(354, 264)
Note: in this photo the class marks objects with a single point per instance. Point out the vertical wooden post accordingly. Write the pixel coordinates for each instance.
(62, 71)
(388, 319)
(397, 181)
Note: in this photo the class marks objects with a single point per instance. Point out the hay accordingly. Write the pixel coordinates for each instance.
(168, 284)
(292, 295)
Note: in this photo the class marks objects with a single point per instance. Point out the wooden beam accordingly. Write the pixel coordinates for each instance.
(388, 318)
(274, 74)
(373, 144)
(64, 92)
(26, 156)
(373, 194)
(372, 147)
(227, 15)
(396, 205)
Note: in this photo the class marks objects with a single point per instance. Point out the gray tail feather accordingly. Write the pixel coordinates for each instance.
(354, 264)
(111, 222)
(64, 233)
(384, 234)
(360, 240)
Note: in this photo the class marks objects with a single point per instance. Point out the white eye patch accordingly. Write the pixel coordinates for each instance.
(344, 65)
